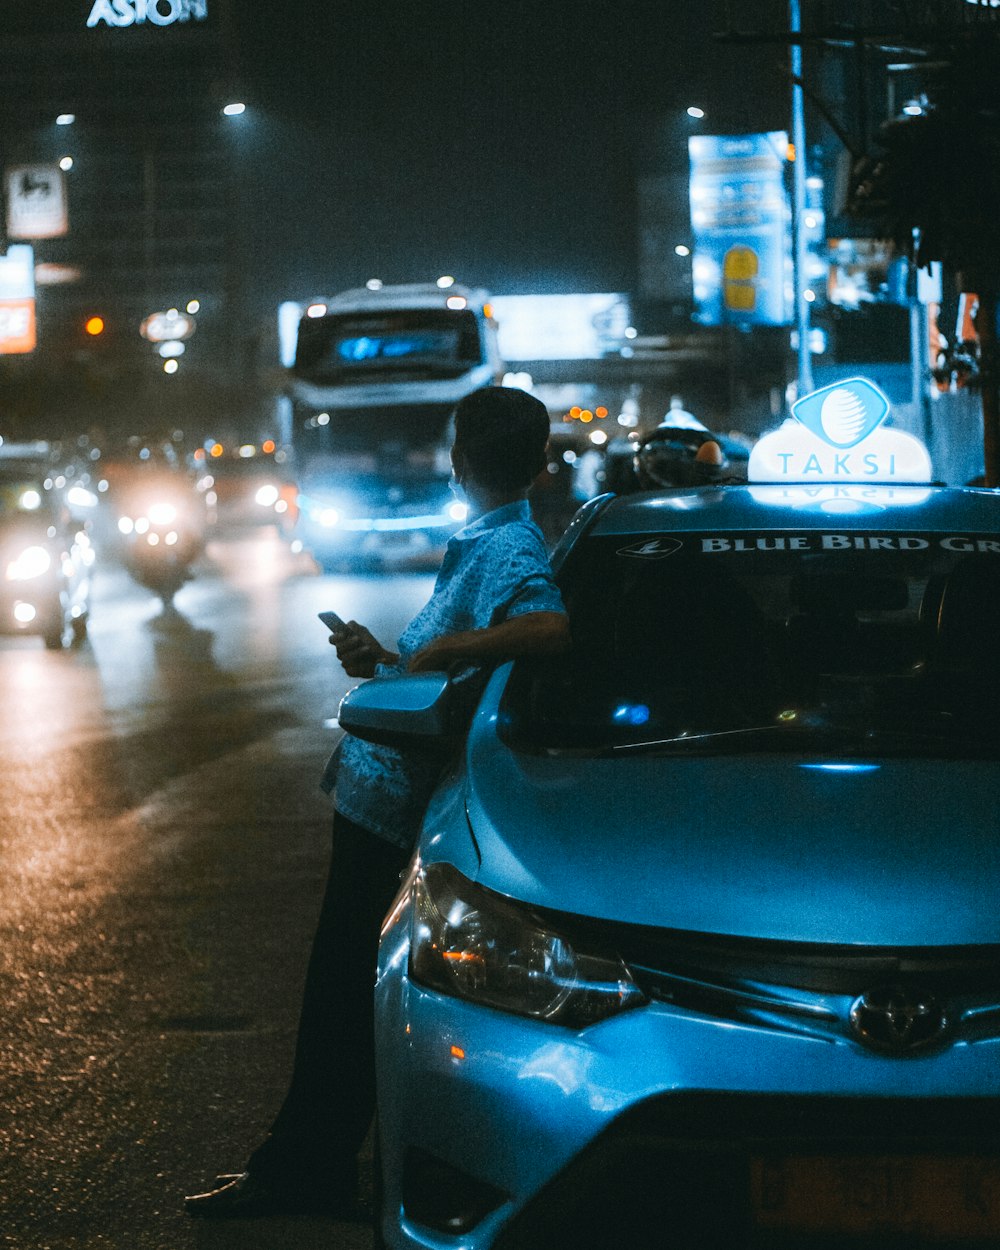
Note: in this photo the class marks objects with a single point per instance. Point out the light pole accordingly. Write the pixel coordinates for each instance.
(799, 199)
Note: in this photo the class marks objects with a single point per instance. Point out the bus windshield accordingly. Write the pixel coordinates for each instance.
(412, 343)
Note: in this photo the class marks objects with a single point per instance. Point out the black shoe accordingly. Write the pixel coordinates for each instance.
(248, 1197)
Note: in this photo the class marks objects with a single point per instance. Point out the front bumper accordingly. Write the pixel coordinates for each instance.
(650, 1129)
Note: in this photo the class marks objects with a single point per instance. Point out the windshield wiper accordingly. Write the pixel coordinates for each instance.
(854, 740)
(718, 735)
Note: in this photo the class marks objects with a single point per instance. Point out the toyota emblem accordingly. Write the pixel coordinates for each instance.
(898, 1019)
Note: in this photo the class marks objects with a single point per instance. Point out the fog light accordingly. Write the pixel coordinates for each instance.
(443, 1197)
(24, 613)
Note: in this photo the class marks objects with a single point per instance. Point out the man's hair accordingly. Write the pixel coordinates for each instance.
(501, 433)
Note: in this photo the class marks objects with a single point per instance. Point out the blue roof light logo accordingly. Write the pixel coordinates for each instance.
(843, 414)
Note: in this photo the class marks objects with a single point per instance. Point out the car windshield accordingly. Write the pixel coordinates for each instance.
(862, 643)
(421, 342)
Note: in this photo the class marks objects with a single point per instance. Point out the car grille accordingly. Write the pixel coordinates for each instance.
(799, 987)
(815, 993)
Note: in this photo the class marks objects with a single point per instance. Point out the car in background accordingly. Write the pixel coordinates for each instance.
(248, 486)
(700, 945)
(46, 551)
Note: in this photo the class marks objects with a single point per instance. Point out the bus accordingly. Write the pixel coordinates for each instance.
(375, 377)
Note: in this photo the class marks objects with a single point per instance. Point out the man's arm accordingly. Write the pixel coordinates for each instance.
(531, 633)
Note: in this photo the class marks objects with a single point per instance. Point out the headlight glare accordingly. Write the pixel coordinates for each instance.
(473, 944)
(162, 513)
(32, 562)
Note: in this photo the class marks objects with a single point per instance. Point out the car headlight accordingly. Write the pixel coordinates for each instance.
(473, 944)
(32, 562)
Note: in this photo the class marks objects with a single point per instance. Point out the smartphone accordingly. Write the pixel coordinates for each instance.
(333, 622)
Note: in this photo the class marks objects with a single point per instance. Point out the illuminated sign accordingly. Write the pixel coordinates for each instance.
(561, 327)
(837, 435)
(36, 202)
(740, 220)
(138, 12)
(17, 300)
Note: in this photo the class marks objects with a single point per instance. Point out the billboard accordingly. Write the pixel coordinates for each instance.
(560, 327)
(741, 224)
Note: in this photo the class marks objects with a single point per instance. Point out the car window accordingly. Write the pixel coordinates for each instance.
(861, 642)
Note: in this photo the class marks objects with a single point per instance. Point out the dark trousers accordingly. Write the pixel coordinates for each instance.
(331, 1100)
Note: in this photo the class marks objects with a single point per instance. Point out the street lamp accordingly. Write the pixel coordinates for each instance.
(234, 109)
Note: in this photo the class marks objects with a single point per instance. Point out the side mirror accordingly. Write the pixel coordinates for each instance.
(398, 711)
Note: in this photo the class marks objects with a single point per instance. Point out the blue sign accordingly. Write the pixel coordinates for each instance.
(837, 435)
(741, 223)
(844, 413)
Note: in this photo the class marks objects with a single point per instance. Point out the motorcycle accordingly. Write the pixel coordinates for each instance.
(163, 537)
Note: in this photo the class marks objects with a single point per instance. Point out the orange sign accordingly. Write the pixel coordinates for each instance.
(739, 278)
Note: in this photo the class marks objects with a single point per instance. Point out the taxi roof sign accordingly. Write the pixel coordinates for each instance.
(838, 435)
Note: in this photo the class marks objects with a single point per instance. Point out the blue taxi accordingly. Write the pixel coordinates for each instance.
(701, 945)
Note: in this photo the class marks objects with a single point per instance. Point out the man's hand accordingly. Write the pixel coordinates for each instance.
(359, 650)
(439, 655)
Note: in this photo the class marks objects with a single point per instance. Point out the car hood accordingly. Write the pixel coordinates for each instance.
(763, 846)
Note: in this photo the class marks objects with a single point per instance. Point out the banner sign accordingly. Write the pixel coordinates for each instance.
(17, 300)
(741, 224)
(36, 202)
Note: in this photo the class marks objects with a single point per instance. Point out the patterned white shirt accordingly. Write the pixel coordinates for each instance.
(493, 570)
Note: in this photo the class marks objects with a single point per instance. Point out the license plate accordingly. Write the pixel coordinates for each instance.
(946, 1196)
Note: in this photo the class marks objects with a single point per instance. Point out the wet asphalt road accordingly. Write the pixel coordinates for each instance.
(163, 844)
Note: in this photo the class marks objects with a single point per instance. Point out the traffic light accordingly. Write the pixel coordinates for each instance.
(94, 325)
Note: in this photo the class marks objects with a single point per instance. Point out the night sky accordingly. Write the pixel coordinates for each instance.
(500, 143)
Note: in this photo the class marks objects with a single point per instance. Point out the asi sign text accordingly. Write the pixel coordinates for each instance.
(139, 12)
